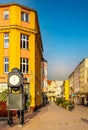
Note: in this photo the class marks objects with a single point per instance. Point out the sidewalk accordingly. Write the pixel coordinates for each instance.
(27, 117)
(57, 118)
(53, 117)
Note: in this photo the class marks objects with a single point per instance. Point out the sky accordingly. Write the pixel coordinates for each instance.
(64, 32)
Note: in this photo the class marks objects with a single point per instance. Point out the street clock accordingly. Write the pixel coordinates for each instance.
(15, 78)
(15, 96)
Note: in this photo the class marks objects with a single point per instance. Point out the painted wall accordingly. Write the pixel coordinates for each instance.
(66, 87)
(15, 27)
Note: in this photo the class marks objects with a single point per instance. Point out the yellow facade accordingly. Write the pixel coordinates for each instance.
(15, 27)
(66, 88)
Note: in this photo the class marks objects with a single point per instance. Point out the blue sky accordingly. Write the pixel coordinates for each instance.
(64, 31)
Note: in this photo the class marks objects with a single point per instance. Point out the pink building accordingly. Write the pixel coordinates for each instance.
(44, 75)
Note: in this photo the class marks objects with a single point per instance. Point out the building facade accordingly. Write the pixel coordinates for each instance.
(80, 82)
(44, 72)
(71, 86)
(54, 90)
(66, 94)
(21, 47)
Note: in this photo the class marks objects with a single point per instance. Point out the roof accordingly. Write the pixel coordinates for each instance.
(49, 82)
(44, 60)
(14, 3)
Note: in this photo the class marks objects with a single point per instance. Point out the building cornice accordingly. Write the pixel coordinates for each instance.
(4, 28)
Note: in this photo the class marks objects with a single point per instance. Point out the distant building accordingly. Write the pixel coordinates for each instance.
(59, 90)
(54, 90)
(71, 86)
(79, 82)
(44, 72)
(66, 89)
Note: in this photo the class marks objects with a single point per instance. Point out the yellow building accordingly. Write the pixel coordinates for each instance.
(21, 47)
(71, 86)
(66, 89)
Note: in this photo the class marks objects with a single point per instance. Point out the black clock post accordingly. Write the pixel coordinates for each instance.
(15, 98)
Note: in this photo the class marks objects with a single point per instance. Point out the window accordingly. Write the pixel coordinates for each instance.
(24, 41)
(6, 40)
(6, 14)
(24, 16)
(24, 65)
(6, 65)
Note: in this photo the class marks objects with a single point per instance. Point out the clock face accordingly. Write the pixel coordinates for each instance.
(14, 79)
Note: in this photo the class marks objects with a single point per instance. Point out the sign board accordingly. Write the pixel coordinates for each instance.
(15, 101)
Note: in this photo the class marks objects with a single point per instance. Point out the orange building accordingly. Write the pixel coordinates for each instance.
(21, 47)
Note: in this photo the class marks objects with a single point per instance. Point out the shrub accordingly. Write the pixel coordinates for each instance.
(3, 96)
(65, 103)
(58, 101)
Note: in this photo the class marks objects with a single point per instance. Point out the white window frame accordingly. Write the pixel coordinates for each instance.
(24, 65)
(6, 40)
(24, 41)
(6, 64)
(25, 16)
(6, 14)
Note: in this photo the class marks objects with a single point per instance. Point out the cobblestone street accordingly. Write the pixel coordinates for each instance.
(53, 117)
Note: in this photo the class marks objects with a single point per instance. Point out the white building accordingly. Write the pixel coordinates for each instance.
(54, 90)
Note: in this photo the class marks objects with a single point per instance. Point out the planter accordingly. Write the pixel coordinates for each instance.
(70, 107)
(3, 110)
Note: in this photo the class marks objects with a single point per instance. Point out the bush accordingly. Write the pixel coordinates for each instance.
(65, 103)
(59, 101)
(3, 96)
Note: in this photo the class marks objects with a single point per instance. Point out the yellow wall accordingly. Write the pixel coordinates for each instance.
(2, 21)
(15, 16)
(66, 85)
(1, 53)
(32, 20)
(14, 49)
(32, 69)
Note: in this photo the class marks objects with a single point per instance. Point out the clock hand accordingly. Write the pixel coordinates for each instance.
(14, 78)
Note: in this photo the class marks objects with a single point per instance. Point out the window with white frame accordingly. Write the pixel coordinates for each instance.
(24, 16)
(24, 65)
(6, 14)
(6, 65)
(24, 39)
(6, 40)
